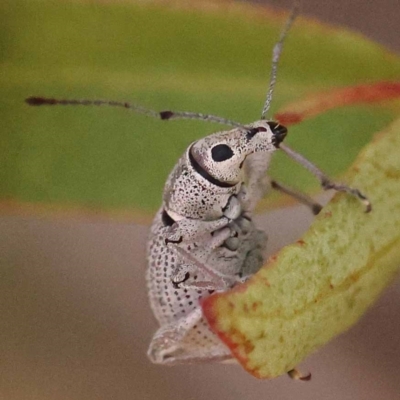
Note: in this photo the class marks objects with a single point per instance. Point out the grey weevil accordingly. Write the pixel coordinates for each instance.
(203, 239)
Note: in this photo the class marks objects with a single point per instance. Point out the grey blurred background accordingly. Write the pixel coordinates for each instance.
(378, 20)
(75, 323)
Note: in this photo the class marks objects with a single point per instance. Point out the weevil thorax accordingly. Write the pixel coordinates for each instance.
(211, 170)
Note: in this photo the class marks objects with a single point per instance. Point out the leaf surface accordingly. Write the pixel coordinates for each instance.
(318, 287)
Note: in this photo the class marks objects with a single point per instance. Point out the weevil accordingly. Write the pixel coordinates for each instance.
(203, 239)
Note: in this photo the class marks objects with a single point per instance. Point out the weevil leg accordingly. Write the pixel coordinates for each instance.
(301, 197)
(167, 339)
(255, 255)
(219, 237)
(215, 355)
(188, 229)
(253, 263)
(326, 183)
(233, 208)
(209, 238)
(168, 345)
(184, 274)
(295, 374)
(255, 166)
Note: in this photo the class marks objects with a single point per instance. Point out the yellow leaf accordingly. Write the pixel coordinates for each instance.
(318, 287)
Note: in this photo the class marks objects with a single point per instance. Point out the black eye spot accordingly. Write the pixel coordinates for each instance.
(253, 131)
(221, 152)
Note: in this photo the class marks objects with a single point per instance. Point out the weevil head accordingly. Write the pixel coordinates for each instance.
(222, 154)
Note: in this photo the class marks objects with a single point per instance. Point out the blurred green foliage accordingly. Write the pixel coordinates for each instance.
(213, 60)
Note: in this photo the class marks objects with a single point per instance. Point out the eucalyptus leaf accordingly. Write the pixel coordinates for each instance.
(318, 287)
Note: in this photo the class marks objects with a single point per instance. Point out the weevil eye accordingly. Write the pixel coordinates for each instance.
(253, 131)
(221, 152)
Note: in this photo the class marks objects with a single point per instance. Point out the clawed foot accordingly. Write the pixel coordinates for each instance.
(295, 374)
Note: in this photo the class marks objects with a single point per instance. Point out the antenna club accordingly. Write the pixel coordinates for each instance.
(39, 101)
(165, 115)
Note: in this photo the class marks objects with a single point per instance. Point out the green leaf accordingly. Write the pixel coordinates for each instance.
(318, 287)
(196, 58)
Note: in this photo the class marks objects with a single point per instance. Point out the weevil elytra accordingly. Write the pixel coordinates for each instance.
(203, 238)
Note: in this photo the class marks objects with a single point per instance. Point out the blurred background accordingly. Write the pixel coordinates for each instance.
(75, 322)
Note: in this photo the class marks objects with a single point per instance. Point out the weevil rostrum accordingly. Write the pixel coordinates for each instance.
(203, 239)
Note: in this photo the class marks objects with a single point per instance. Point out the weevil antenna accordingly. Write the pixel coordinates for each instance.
(164, 115)
(325, 182)
(276, 53)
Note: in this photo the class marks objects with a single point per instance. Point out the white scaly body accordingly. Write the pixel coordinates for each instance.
(203, 239)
